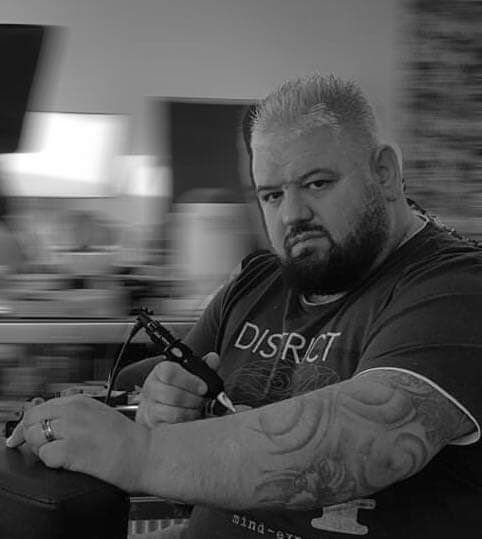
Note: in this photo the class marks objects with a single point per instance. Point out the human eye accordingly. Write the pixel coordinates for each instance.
(270, 197)
(316, 184)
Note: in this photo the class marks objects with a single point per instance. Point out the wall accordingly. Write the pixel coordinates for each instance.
(114, 53)
(118, 51)
(442, 110)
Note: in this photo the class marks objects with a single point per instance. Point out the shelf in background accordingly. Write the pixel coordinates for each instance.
(80, 331)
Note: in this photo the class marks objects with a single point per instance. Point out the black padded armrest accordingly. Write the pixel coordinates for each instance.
(37, 502)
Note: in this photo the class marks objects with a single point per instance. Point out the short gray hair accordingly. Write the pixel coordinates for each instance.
(303, 104)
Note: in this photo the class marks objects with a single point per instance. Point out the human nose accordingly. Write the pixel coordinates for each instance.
(295, 208)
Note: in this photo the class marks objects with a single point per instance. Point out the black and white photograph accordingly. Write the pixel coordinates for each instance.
(240, 269)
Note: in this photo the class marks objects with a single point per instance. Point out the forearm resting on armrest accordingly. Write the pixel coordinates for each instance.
(335, 444)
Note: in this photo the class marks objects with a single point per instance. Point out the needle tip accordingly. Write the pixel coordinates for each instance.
(226, 402)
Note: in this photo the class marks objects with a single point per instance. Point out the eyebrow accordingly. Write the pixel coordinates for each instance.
(302, 178)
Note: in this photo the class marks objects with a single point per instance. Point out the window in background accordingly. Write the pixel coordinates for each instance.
(74, 155)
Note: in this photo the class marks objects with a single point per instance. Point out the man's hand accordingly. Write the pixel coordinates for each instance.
(89, 437)
(173, 395)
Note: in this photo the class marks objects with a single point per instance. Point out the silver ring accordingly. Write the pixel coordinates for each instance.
(48, 430)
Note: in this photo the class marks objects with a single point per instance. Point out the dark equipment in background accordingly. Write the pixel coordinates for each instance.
(20, 48)
(204, 138)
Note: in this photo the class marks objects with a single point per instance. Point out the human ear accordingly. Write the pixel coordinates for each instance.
(386, 169)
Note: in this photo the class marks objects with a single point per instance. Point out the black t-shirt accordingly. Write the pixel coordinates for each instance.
(420, 311)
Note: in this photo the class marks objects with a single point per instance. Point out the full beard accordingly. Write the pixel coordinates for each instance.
(342, 266)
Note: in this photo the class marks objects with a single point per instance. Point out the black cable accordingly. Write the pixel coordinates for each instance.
(114, 371)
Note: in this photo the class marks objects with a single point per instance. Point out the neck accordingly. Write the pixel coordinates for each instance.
(414, 223)
(407, 226)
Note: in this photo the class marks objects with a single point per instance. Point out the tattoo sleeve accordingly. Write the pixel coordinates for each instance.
(348, 440)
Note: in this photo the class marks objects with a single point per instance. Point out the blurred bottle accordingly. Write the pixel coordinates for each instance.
(5, 303)
(211, 234)
(12, 255)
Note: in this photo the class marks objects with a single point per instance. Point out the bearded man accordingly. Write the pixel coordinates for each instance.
(352, 348)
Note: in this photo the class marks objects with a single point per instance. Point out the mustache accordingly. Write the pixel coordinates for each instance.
(296, 233)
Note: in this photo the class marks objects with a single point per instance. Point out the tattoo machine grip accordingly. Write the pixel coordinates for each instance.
(180, 353)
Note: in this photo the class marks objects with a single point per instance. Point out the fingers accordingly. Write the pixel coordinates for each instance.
(171, 394)
(161, 393)
(16, 438)
(36, 436)
(30, 428)
(49, 409)
(53, 454)
(175, 375)
(32, 415)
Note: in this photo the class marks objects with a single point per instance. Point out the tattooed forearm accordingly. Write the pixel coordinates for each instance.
(351, 439)
(338, 443)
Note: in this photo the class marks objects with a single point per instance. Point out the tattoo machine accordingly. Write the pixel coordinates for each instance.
(177, 351)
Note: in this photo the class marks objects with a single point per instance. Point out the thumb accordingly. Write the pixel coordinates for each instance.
(16, 438)
(212, 359)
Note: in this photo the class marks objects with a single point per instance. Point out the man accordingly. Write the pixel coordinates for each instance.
(352, 350)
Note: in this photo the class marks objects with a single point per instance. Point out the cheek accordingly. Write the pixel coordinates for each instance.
(274, 230)
(339, 223)
(340, 216)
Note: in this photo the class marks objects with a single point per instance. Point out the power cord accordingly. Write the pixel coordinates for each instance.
(114, 371)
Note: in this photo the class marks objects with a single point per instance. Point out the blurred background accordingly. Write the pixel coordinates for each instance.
(123, 181)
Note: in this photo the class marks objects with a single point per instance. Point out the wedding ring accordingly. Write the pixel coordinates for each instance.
(48, 430)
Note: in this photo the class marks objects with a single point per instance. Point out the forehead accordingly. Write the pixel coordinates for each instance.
(286, 139)
(291, 153)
